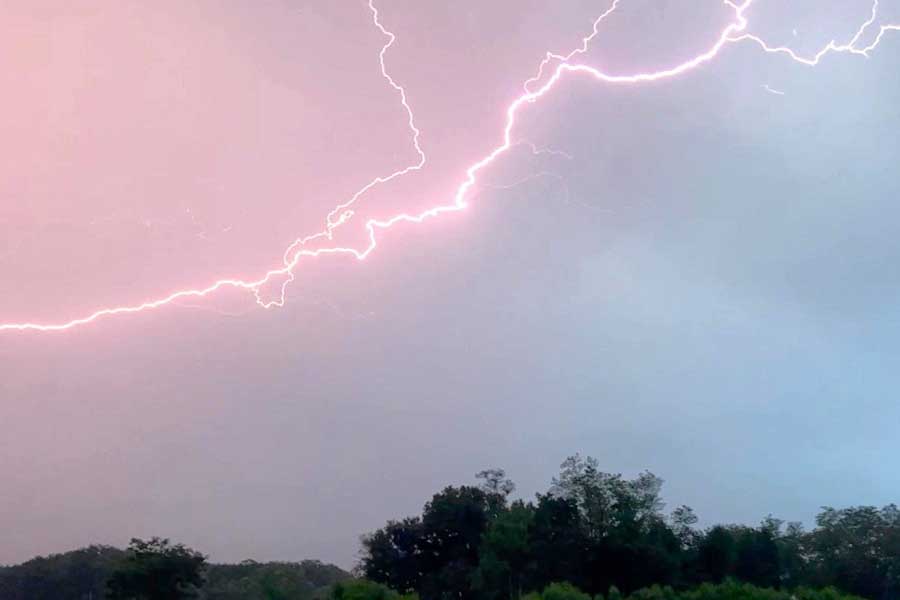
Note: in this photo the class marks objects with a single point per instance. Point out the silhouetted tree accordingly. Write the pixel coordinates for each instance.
(757, 559)
(76, 575)
(454, 522)
(599, 531)
(858, 549)
(716, 555)
(157, 570)
(393, 555)
(683, 520)
(558, 543)
(505, 553)
(437, 555)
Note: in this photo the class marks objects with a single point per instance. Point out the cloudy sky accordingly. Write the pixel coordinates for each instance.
(700, 280)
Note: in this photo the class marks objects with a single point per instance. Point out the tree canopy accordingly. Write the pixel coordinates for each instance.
(83, 575)
(157, 570)
(595, 531)
(591, 535)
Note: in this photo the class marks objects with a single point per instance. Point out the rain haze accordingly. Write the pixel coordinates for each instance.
(695, 276)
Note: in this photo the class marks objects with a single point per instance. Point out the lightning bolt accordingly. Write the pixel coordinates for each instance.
(533, 90)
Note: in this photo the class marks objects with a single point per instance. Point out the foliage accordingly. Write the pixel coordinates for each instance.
(157, 570)
(83, 575)
(733, 590)
(360, 589)
(563, 591)
(394, 553)
(728, 590)
(603, 533)
(505, 552)
(251, 580)
(77, 575)
(592, 534)
(437, 554)
(858, 549)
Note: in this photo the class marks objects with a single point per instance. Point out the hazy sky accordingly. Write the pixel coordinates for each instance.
(705, 287)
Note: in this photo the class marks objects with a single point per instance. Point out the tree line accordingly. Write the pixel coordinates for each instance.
(599, 531)
(591, 536)
(158, 569)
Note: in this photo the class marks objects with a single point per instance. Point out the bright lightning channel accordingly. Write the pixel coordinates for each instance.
(734, 32)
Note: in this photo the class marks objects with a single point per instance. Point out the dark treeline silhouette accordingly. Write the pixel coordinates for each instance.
(591, 536)
(599, 531)
(159, 570)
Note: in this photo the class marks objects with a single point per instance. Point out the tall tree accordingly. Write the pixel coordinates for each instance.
(607, 501)
(393, 555)
(716, 555)
(558, 543)
(505, 553)
(454, 522)
(498, 487)
(757, 559)
(682, 521)
(436, 555)
(858, 549)
(157, 570)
